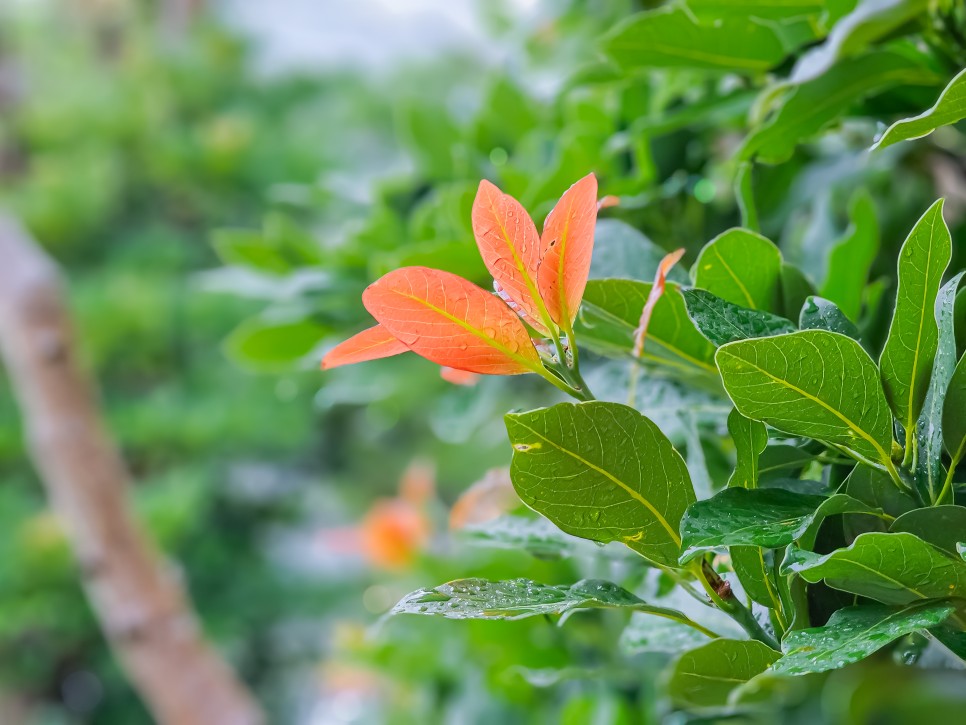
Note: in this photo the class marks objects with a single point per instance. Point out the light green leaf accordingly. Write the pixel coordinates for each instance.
(741, 267)
(950, 108)
(602, 471)
(535, 535)
(265, 345)
(819, 313)
(851, 258)
(854, 633)
(745, 196)
(870, 21)
(704, 677)
(929, 471)
(750, 439)
(811, 383)
(890, 568)
(767, 517)
(808, 108)
(722, 322)
(753, 567)
(670, 38)
(941, 526)
(622, 252)
(521, 598)
(907, 358)
(762, 9)
(954, 414)
(648, 634)
(611, 312)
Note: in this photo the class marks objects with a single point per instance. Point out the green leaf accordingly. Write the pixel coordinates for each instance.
(750, 439)
(705, 676)
(870, 21)
(670, 38)
(929, 472)
(767, 517)
(873, 487)
(808, 108)
(265, 345)
(851, 258)
(907, 358)
(795, 289)
(753, 567)
(741, 267)
(762, 9)
(622, 252)
(890, 568)
(535, 535)
(281, 247)
(611, 312)
(941, 526)
(722, 322)
(811, 383)
(649, 634)
(821, 314)
(854, 633)
(954, 414)
(520, 598)
(950, 108)
(634, 488)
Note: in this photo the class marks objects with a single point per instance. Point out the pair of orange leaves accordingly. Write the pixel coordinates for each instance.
(540, 279)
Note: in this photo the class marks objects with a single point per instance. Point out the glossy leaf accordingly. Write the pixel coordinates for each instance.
(811, 383)
(510, 247)
(768, 517)
(451, 321)
(670, 38)
(722, 322)
(741, 267)
(954, 414)
(821, 314)
(948, 109)
(851, 258)
(371, 344)
(750, 438)
(941, 526)
(622, 252)
(705, 676)
(854, 633)
(907, 358)
(602, 471)
(612, 311)
(519, 599)
(566, 246)
(929, 471)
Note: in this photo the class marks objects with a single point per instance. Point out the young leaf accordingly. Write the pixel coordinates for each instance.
(510, 247)
(890, 568)
(950, 108)
(521, 598)
(451, 321)
(566, 246)
(670, 38)
(705, 676)
(811, 383)
(722, 322)
(907, 358)
(371, 344)
(612, 311)
(941, 526)
(854, 633)
(741, 267)
(634, 489)
(768, 517)
(954, 414)
(750, 439)
(929, 433)
(821, 314)
(851, 258)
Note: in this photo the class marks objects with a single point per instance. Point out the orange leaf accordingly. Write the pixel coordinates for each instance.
(458, 377)
(567, 243)
(510, 247)
(372, 344)
(657, 289)
(485, 500)
(608, 201)
(451, 321)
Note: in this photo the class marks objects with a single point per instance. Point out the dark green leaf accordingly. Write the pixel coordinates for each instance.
(602, 471)
(722, 322)
(778, 461)
(622, 252)
(754, 568)
(795, 289)
(873, 487)
(851, 258)
(942, 526)
(741, 267)
(854, 633)
(908, 355)
(767, 517)
(705, 676)
(750, 439)
(954, 414)
(821, 314)
(950, 108)
(811, 383)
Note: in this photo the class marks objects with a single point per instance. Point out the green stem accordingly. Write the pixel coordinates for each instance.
(729, 604)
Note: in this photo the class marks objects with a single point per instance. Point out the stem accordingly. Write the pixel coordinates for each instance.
(728, 603)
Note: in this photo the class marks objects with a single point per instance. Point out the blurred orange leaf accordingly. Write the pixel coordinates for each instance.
(371, 344)
(490, 497)
(458, 377)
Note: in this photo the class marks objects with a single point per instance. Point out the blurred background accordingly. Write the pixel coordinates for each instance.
(220, 180)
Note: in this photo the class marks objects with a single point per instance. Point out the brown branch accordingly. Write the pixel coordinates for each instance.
(137, 597)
